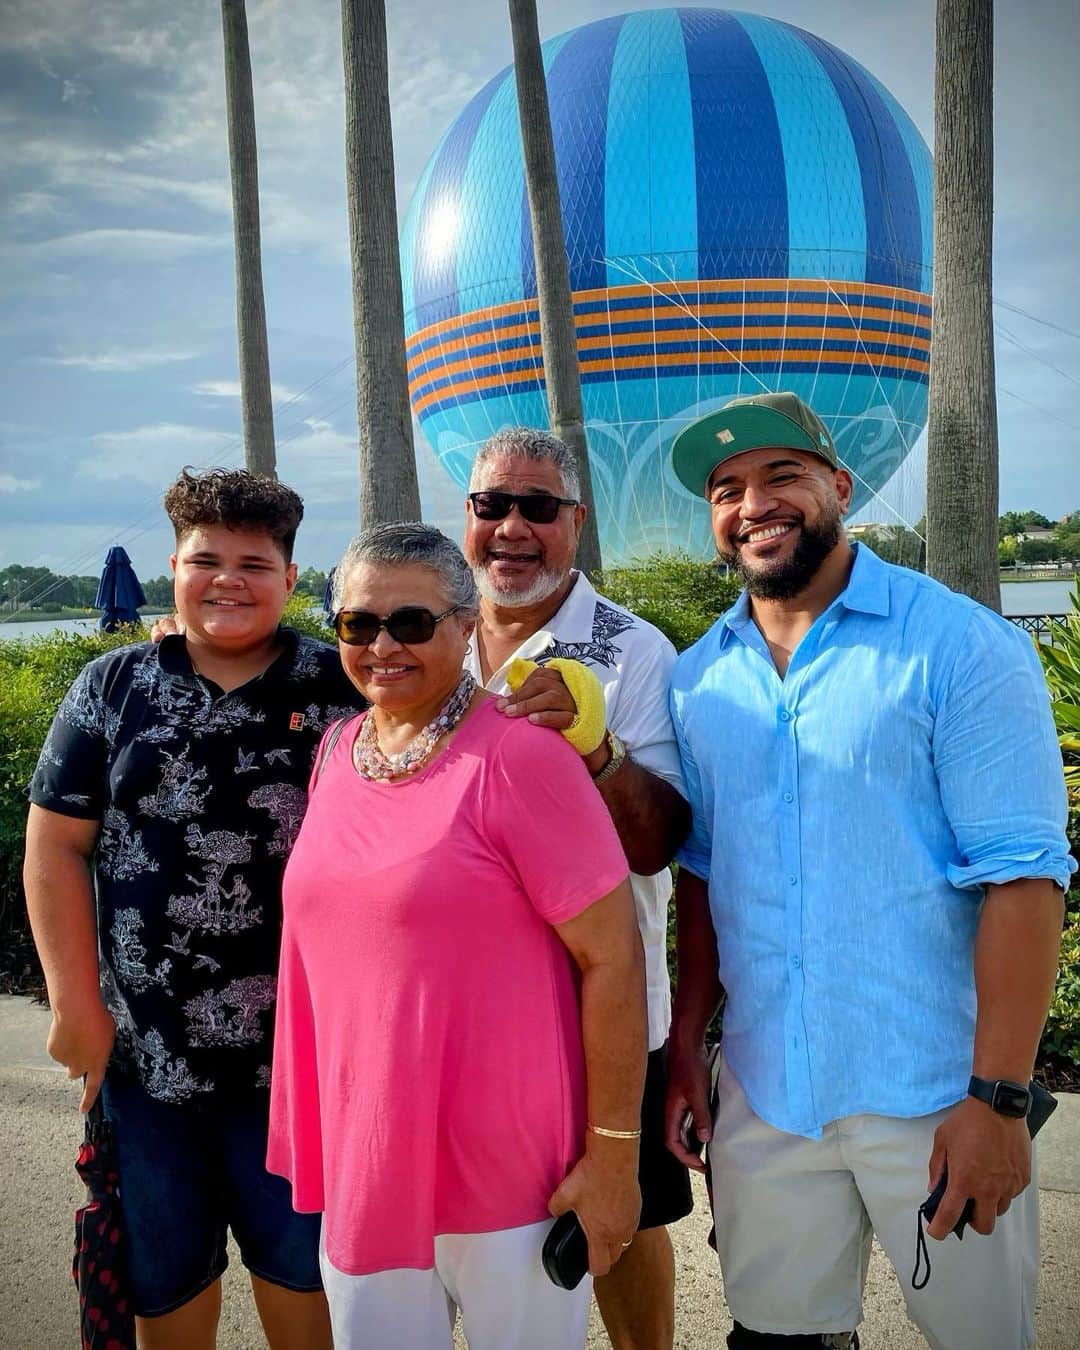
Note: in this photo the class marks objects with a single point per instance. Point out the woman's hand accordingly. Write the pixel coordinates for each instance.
(82, 1042)
(602, 1189)
(165, 626)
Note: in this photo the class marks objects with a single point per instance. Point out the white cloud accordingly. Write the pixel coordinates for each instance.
(280, 393)
(34, 204)
(127, 246)
(118, 360)
(156, 454)
(9, 483)
(74, 91)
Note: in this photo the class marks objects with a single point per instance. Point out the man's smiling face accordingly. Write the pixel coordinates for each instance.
(514, 561)
(776, 517)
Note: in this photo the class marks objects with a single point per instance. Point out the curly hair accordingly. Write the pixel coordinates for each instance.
(237, 499)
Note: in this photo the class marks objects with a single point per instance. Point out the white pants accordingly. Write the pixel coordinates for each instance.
(794, 1218)
(497, 1280)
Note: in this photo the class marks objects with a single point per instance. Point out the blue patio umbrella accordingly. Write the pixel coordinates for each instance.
(119, 593)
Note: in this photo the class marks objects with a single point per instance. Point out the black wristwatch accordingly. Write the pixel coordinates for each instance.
(1001, 1095)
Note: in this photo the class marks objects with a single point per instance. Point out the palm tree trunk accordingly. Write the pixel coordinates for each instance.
(962, 467)
(388, 486)
(562, 375)
(255, 397)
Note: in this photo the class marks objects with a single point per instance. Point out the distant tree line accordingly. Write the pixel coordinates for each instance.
(1022, 538)
(42, 590)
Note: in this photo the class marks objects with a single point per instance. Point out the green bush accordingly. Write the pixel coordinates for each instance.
(681, 596)
(1062, 1035)
(34, 676)
(1061, 663)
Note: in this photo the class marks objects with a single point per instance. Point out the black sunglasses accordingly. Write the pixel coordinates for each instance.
(412, 624)
(538, 508)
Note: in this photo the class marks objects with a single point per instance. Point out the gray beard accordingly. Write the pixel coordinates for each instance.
(547, 583)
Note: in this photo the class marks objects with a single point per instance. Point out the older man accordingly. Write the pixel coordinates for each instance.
(523, 519)
(875, 878)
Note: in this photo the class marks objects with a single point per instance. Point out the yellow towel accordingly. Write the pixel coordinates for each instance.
(587, 729)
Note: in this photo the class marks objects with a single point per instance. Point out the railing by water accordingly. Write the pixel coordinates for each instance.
(1037, 624)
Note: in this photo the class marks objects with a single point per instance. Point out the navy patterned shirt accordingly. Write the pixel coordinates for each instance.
(200, 795)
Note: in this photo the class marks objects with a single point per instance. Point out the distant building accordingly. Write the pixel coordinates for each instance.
(874, 527)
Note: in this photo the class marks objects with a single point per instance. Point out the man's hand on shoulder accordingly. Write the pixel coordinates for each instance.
(988, 1156)
(165, 626)
(543, 698)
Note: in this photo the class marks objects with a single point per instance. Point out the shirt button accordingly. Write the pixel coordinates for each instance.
(793, 880)
(788, 797)
(796, 961)
(785, 716)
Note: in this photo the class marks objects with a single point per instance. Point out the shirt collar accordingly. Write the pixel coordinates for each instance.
(174, 659)
(867, 592)
(571, 622)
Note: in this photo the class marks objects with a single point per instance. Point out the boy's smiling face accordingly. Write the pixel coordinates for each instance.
(230, 586)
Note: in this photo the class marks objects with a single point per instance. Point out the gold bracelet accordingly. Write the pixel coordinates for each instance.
(614, 1134)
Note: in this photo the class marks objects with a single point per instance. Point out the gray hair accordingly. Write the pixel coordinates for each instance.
(529, 443)
(394, 544)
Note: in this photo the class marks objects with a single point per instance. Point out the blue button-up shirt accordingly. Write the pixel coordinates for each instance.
(847, 819)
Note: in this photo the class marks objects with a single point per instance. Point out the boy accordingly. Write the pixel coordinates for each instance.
(165, 801)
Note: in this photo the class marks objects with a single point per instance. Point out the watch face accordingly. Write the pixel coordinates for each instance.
(1010, 1099)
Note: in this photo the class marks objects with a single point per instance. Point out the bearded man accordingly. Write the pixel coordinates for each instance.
(874, 877)
(523, 520)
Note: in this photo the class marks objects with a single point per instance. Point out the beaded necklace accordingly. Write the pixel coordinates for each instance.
(372, 763)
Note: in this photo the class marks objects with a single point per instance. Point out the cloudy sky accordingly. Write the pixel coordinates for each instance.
(117, 337)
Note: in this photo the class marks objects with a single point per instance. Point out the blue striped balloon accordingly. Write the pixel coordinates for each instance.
(745, 207)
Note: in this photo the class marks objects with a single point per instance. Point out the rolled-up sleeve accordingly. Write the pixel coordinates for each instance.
(998, 761)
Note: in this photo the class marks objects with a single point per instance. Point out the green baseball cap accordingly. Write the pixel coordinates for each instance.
(757, 422)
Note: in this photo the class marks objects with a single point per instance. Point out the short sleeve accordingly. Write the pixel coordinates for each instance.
(641, 717)
(70, 777)
(546, 817)
(998, 761)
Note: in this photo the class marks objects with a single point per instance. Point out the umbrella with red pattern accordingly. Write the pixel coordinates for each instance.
(106, 1321)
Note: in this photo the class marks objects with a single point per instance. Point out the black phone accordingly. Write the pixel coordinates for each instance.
(1043, 1106)
(688, 1136)
(566, 1252)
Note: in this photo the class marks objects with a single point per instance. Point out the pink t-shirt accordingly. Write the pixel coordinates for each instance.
(428, 1070)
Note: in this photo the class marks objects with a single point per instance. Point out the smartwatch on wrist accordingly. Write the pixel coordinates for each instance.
(1001, 1095)
(617, 751)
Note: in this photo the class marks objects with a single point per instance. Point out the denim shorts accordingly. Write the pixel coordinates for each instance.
(187, 1175)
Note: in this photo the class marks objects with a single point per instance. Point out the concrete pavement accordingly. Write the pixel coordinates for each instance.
(40, 1131)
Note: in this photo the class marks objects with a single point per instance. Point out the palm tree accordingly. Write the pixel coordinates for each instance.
(388, 486)
(962, 467)
(255, 396)
(559, 340)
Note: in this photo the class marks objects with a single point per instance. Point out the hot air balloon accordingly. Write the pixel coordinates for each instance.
(745, 208)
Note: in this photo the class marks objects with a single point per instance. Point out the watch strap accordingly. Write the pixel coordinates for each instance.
(1001, 1095)
(618, 753)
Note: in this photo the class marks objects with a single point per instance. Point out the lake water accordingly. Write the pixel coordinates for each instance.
(1017, 597)
(1035, 597)
(35, 627)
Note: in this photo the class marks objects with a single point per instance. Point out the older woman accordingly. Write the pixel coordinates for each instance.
(460, 1036)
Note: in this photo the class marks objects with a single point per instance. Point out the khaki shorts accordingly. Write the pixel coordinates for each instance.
(794, 1219)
